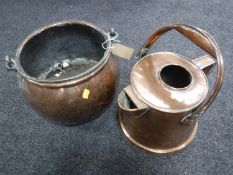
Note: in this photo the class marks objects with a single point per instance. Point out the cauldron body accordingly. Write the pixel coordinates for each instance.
(74, 99)
(66, 104)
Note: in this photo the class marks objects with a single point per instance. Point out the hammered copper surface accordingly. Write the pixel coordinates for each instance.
(65, 104)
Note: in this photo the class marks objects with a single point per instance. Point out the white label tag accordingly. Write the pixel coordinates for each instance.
(122, 51)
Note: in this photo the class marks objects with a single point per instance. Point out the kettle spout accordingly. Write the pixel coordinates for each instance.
(130, 105)
(205, 63)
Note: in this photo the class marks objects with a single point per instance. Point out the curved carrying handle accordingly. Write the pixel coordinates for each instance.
(194, 34)
(203, 40)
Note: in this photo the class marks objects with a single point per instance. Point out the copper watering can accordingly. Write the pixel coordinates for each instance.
(66, 71)
(159, 110)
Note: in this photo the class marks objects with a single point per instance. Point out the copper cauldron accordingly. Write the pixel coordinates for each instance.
(66, 71)
(159, 110)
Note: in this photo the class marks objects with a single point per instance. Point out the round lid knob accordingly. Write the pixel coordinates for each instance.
(169, 82)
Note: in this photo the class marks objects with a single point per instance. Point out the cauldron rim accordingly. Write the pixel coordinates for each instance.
(70, 80)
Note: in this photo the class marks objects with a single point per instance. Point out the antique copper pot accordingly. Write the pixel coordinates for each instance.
(159, 109)
(64, 71)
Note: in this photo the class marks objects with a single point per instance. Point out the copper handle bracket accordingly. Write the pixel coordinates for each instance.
(188, 119)
(10, 63)
(142, 53)
(112, 34)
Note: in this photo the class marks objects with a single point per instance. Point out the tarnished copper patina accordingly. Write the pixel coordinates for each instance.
(159, 109)
(70, 92)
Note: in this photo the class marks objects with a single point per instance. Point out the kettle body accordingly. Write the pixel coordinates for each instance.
(159, 110)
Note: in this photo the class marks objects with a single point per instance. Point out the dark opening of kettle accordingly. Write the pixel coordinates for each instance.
(175, 76)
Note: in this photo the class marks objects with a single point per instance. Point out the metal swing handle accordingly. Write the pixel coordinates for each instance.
(203, 40)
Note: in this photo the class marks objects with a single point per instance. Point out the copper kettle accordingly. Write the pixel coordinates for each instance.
(159, 110)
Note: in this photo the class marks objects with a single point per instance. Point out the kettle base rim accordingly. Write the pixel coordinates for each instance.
(159, 151)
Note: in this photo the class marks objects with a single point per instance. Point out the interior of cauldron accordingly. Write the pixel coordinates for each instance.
(78, 43)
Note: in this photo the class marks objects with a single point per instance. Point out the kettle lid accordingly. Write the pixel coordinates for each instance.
(169, 82)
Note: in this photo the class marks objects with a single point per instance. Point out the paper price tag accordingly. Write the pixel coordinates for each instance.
(122, 51)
